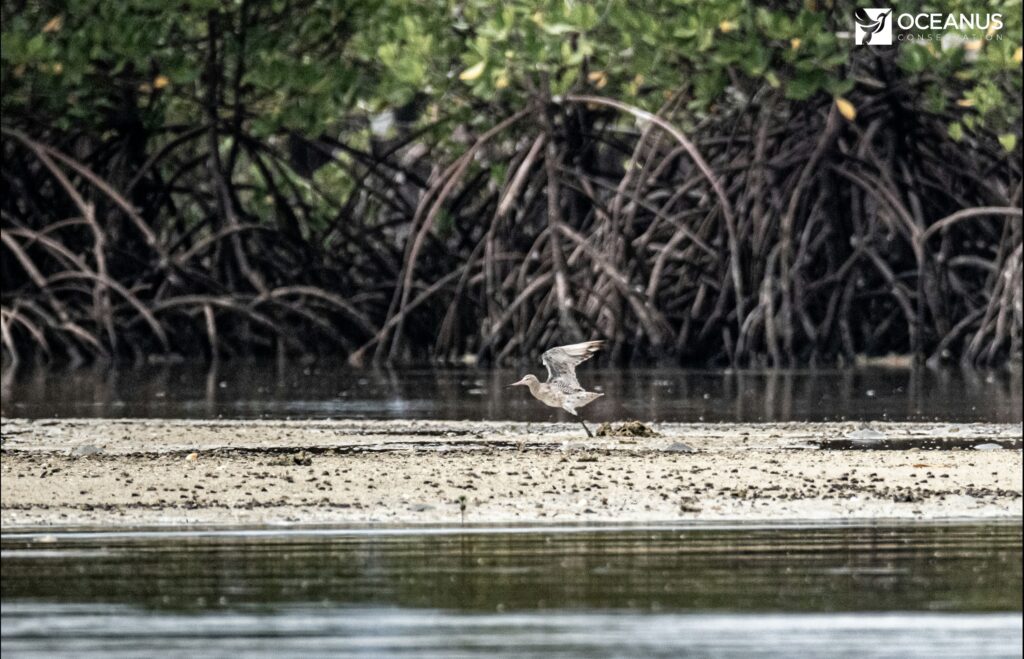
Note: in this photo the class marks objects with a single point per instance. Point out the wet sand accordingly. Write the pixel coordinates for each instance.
(170, 472)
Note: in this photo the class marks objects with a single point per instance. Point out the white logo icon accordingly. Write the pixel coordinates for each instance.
(873, 27)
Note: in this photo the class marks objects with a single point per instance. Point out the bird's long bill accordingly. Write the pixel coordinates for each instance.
(523, 381)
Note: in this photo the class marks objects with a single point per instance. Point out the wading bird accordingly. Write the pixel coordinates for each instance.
(562, 388)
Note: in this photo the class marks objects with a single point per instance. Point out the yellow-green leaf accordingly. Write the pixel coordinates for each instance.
(54, 24)
(473, 72)
(846, 108)
(1009, 141)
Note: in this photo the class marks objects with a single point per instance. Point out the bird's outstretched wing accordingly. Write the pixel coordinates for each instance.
(562, 361)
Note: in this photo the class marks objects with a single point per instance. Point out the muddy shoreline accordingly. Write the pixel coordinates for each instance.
(126, 473)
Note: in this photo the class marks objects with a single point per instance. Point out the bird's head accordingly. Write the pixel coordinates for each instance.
(526, 381)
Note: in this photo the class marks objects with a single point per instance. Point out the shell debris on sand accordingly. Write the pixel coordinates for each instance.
(392, 472)
(626, 429)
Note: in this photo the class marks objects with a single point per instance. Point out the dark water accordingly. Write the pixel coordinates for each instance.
(877, 591)
(253, 390)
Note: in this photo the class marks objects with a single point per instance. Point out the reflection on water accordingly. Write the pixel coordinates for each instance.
(268, 389)
(346, 632)
(925, 568)
(835, 591)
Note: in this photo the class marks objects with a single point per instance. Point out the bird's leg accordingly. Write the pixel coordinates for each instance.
(589, 434)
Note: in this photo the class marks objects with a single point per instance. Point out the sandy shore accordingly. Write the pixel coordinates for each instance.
(161, 472)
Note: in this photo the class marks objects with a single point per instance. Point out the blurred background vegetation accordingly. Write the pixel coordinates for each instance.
(715, 182)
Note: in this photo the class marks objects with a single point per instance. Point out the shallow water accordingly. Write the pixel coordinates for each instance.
(856, 591)
(270, 390)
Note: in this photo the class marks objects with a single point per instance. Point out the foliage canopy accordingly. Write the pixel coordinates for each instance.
(387, 143)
